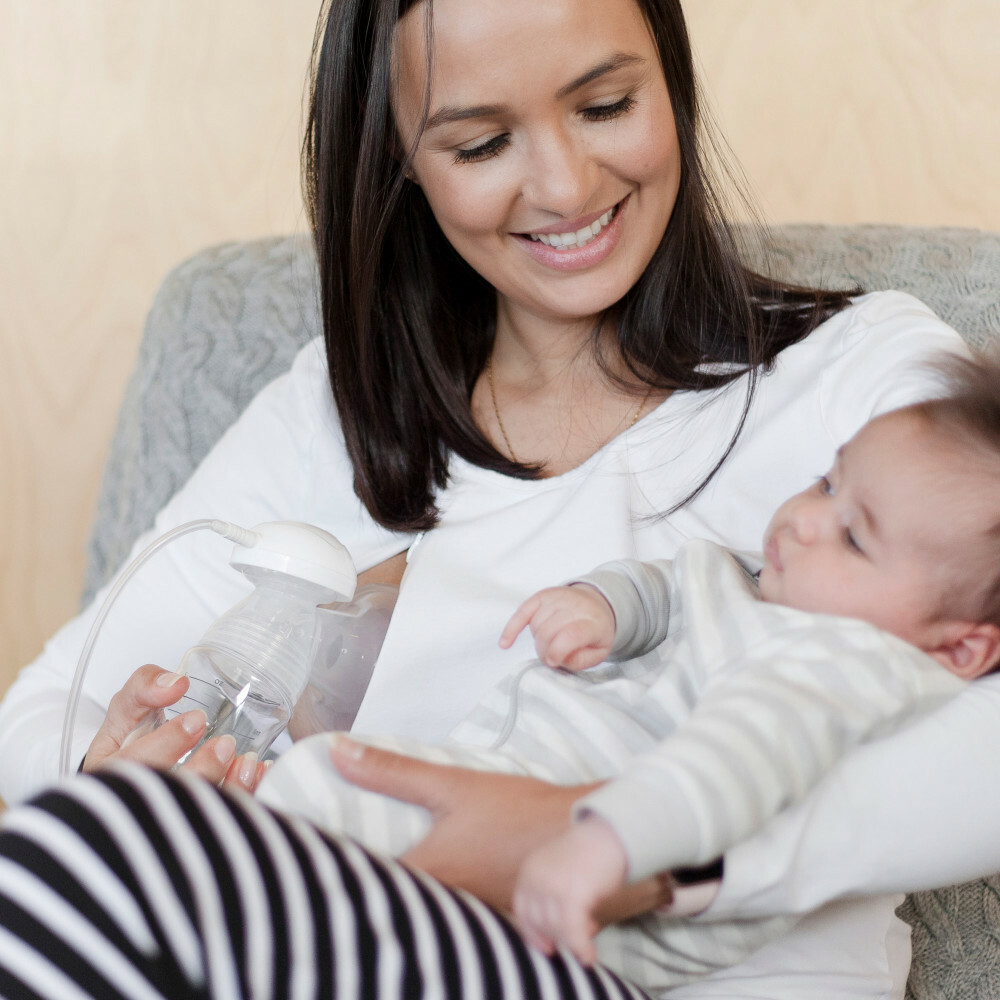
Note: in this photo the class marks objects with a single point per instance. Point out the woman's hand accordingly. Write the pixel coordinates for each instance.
(485, 825)
(146, 691)
(573, 627)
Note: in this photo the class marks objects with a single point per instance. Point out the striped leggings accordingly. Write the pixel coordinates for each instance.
(135, 885)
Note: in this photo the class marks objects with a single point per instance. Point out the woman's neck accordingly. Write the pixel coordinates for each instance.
(541, 350)
(546, 397)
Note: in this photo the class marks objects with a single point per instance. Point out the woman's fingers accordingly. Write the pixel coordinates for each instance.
(130, 732)
(245, 772)
(393, 774)
(635, 899)
(145, 692)
(485, 825)
(148, 687)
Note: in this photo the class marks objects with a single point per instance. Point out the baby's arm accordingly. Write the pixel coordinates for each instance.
(561, 884)
(619, 611)
(573, 626)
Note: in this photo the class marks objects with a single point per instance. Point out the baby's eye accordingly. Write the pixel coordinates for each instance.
(851, 542)
(484, 151)
(824, 486)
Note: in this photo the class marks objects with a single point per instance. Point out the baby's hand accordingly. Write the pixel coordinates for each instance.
(561, 884)
(574, 627)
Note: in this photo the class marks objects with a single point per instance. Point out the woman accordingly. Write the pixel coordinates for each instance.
(544, 354)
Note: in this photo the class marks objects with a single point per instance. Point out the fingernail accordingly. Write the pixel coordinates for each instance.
(248, 768)
(225, 750)
(346, 747)
(194, 721)
(164, 680)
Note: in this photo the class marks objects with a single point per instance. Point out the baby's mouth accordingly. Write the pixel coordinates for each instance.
(580, 238)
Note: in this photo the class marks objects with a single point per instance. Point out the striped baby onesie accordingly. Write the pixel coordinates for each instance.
(717, 711)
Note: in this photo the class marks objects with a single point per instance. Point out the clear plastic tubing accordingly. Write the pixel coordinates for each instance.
(242, 536)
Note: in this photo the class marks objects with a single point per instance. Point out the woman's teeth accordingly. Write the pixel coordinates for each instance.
(563, 241)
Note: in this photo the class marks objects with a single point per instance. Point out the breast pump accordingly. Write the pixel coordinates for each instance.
(254, 663)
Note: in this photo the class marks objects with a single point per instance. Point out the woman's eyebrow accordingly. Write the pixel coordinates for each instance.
(454, 113)
(451, 113)
(616, 61)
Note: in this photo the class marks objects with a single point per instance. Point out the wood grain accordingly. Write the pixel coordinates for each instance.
(131, 135)
(857, 111)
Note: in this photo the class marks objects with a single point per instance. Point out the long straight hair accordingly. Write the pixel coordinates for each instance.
(409, 324)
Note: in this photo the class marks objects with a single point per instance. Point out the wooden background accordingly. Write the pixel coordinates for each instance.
(134, 133)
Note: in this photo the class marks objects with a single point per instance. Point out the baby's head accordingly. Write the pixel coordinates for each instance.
(904, 530)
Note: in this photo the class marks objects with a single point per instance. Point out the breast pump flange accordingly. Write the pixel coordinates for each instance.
(253, 663)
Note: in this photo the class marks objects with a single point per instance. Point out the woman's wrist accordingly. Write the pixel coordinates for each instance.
(693, 889)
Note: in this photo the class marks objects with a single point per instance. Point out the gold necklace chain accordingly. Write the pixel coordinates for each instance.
(503, 430)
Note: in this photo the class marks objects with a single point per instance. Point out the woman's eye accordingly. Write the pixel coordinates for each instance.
(607, 112)
(484, 151)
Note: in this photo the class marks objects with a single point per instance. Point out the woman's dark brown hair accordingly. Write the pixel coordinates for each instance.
(409, 325)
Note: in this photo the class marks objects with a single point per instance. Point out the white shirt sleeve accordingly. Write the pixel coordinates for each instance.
(915, 811)
(282, 460)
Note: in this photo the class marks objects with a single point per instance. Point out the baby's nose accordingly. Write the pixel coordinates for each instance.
(807, 521)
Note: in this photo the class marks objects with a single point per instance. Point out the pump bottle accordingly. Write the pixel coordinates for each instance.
(253, 664)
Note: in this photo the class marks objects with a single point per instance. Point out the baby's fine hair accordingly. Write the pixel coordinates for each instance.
(969, 412)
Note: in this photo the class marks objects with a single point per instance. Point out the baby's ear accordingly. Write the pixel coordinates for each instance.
(968, 650)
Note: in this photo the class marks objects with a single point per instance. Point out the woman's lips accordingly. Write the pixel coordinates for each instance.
(574, 258)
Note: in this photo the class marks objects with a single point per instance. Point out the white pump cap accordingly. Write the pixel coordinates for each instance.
(301, 551)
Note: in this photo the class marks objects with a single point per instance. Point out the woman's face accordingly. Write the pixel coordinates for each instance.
(550, 157)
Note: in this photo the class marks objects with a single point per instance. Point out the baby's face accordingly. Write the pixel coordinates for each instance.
(888, 535)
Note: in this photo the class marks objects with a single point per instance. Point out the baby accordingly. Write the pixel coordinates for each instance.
(710, 691)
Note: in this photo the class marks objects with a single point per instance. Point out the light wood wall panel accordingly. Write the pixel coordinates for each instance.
(859, 110)
(133, 133)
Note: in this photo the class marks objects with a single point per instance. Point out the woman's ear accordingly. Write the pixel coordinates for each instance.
(967, 649)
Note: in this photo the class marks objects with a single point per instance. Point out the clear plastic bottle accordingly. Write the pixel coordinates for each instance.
(253, 663)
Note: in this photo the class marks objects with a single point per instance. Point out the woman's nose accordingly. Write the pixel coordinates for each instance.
(562, 176)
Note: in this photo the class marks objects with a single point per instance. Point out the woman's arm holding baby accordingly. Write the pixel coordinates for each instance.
(485, 825)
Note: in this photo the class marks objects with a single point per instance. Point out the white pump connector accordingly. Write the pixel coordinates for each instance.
(302, 552)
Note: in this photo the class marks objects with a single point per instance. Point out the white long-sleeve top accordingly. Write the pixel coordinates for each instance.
(500, 539)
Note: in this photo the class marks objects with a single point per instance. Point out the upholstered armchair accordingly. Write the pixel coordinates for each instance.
(230, 319)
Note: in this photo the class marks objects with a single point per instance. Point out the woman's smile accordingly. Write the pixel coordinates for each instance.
(564, 247)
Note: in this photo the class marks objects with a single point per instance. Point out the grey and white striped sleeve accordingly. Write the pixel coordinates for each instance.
(640, 595)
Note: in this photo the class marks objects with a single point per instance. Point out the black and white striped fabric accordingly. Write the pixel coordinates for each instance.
(143, 886)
